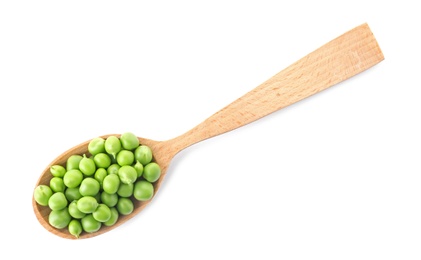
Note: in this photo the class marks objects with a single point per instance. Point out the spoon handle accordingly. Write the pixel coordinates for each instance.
(336, 61)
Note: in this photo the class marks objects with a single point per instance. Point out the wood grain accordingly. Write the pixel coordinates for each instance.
(345, 56)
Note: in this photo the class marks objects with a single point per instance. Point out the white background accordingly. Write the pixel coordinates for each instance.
(335, 176)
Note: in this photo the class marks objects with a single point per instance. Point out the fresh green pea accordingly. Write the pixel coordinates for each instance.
(152, 172)
(125, 206)
(113, 169)
(42, 194)
(102, 213)
(75, 227)
(143, 154)
(100, 175)
(109, 199)
(90, 224)
(139, 168)
(57, 184)
(57, 201)
(129, 141)
(89, 187)
(125, 190)
(125, 157)
(96, 146)
(111, 183)
(114, 217)
(87, 166)
(127, 174)
(72, 193)
(73, 178)
(143, 190)
(59, 218)
(102, 160)
(112, 145)
(57, 170)
(74, 210)
(73, 162)
(87, 204)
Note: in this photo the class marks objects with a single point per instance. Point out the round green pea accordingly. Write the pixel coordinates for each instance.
(90, 224)
(72, 178)
(72, 194)
(57, 201)
(102, 213)
(125, 206)
(89, 187)
(129, 141)
(74, 210)
(42, 194)
(125, 157)
(100, 175)
(143, 190)
(87, 204)
(139, 168)
(87, 166)
(75, 227)
(57, 184)
(73, 162)
(112, 145)
(109, 199)
(111, 183)
(125, 190)
(59, 218)
(96, 146)
(102, 160)
(143, 154)
(57, 170)
(113, 169)
(152, 172)
(114, 217)
(127, 174)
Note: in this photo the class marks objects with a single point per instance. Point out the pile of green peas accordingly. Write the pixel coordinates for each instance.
(94, 189)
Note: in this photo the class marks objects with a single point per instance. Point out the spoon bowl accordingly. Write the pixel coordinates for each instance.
(345, 56)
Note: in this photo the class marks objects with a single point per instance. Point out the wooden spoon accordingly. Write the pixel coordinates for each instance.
(336, 61)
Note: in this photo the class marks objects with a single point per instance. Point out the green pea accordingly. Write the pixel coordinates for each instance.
(112, 145)
(72, 194)
(89, 187)
(96, 146)
(125, 206)
(109, 199)
(125, 157)
(127, 174)
(100, 175)
(152, 172)
(102, 160)
(143, 154)
(57, 201)
(114, 217)
(73, 162)
(113, 169)
(74, 210)
(90, 224)
(75, 227)
(87, 165)
(57, 184)
(111, 183)
(102, 213)
(143, 190)
(42, 194)
(129, 141)
(139, 168)
(73, 178)
(87, 204)
(59, 218)
(57, 170)
(125, 190)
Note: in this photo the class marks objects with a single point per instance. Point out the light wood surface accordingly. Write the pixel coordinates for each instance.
(343, 57)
